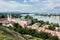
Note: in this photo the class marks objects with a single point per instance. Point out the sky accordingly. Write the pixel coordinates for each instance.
(37, 6)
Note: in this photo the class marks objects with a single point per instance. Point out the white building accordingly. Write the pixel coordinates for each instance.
(35, 26)
(8, 22)
(57, 29)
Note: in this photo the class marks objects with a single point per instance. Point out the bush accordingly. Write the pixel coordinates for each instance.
(44, 35)
(35, 33)
(34, 21)
(53, 38)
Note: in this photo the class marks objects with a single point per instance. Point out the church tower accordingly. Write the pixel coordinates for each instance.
(9, 17)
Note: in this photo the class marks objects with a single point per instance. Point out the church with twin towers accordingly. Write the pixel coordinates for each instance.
(9, 17)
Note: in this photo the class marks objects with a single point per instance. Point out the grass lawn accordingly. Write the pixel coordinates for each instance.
(5, 37)
(29, 37)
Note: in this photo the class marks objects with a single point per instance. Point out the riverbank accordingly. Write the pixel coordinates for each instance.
(52, 19)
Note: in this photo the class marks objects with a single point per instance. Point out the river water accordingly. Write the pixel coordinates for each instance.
(54, 19)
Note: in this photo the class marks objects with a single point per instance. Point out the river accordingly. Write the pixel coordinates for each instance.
(54, 19)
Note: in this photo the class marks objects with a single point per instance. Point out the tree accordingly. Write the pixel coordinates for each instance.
(53, 38)
(34, 21)
(35, 33)
(28, 17)
(43, 35)
(53, 25)
(2, 16)
(0, 23)
(47, 22)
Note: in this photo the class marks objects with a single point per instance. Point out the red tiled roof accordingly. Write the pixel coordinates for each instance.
(1, 19)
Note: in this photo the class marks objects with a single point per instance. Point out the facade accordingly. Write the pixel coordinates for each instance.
(57, 29)
(35, 26)
(45, 26)
(24, 23)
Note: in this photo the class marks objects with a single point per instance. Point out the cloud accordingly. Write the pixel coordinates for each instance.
(31, 0)
(25, 0)
(30, 5)
(34, 0)
(12, 6)
(49, 5)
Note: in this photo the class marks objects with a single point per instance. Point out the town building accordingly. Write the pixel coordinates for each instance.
(57, 29)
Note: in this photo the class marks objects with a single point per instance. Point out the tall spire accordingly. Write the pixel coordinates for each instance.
(9, 17)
